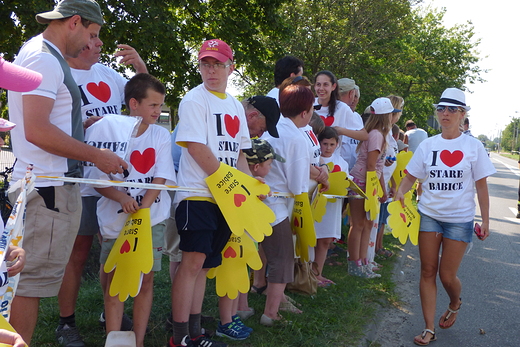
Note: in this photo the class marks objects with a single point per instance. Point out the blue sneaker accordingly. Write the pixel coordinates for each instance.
(232, 330)
(238, 321)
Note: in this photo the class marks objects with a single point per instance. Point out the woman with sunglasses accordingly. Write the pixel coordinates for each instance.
(335, 113)
(451, 165)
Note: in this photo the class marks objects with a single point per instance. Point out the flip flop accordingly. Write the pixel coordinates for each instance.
(447, 316)
(423, 335)
(258, 290)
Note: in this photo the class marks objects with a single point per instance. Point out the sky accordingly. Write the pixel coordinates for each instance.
(493, 103)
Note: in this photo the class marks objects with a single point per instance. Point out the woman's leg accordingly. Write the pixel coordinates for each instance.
(452, 253)
(322, 247)
(429, 245)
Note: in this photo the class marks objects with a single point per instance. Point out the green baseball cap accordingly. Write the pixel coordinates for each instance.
(261, 151)
(86, 9)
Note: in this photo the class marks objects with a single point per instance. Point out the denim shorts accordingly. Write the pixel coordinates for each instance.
(454, 231)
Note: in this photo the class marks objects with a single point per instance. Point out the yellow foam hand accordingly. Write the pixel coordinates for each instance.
(405, 221)
(319, 206)
(373, 192)
(232, 276)
(4, 324)
(302, 224)
(402, 159)
(131, 256)
(338, 183)
(237, 197)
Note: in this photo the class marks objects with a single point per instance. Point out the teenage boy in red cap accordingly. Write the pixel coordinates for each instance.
(212, 129)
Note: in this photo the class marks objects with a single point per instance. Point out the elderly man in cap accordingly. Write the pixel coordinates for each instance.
(49, 135)
(349, 94)
(212, 129)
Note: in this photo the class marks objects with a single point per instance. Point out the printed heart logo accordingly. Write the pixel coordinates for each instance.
(239, 199)
(296, 223)
(374, 193)
(232, 125)
(336, 168)
(451, 159)
(125, 247)
(143, 162)
(230, 253)
(100, 91)
(328, 120)
(371, 244)
(405, 172)
(403, 217)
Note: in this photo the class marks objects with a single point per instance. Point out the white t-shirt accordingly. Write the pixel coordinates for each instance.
(345, 118)
(113, 132)
(217, 123)
(150, 158)
(415, 137)
(314, 149)
(32, 56)
(275, 94)
(330, 225)
(291, 176)
(102, 90)
(449, 169)
(391, 151)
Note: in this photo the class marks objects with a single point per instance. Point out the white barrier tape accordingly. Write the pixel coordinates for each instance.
(156, 186)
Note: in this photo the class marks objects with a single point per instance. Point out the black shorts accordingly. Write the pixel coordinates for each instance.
(202, 229)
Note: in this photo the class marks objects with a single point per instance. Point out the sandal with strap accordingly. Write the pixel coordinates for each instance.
(423, 335)
(447, 316)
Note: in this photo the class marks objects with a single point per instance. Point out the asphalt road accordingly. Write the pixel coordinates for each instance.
(490, 275)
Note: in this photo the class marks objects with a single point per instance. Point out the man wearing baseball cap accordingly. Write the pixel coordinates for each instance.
(212, 129)
(49, 135)
(262, 113)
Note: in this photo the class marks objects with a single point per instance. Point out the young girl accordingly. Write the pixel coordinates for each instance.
(370, 158)
(335, 113)
(330, 226)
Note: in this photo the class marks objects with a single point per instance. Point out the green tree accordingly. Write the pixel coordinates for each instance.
(510, 136)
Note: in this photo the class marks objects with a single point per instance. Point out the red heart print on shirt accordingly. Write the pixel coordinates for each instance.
(232, 125)
(100, 92)
(143, 162)
(328, 120)
(451, 159)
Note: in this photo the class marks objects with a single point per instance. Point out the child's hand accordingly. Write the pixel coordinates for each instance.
(17, 255)
(262, 197)
(12, 339)
(128, 204)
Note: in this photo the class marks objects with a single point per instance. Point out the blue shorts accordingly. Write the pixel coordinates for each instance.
(202, 229)
(383, 214)
(453, 231)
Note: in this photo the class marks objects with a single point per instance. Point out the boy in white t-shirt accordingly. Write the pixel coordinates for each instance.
(330, 226)
(150, 162)
(212, 129)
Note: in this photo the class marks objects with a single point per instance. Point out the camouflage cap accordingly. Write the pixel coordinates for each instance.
(261, 151)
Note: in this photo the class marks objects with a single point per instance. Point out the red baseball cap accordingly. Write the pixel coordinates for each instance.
(217, 49)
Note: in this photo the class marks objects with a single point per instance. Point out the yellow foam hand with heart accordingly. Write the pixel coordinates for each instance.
(302, 225)
(402, 159)
(319, 206)
(131, 256)
(338, 183)
(236, 194)
(232, 276)
(373, 192)
(404, 222)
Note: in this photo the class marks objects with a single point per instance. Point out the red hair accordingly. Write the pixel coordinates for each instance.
(295, 99)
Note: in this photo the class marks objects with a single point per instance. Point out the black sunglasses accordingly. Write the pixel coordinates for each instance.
(317, 107)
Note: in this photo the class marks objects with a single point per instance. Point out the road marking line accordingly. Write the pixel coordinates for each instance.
(512, 168)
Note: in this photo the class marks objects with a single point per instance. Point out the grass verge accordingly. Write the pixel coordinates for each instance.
(336, 316)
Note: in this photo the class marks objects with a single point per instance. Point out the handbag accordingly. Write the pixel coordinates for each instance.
(305, 281)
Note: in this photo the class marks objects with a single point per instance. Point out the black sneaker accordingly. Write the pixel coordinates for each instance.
(203, 341)
(126, 325)
(68, 336)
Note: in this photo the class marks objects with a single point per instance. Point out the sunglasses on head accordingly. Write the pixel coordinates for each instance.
(451, 109)
(317, 107)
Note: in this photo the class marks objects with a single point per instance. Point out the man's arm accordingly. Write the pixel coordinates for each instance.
(131, 57)
(203, 157)
(45, 135)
